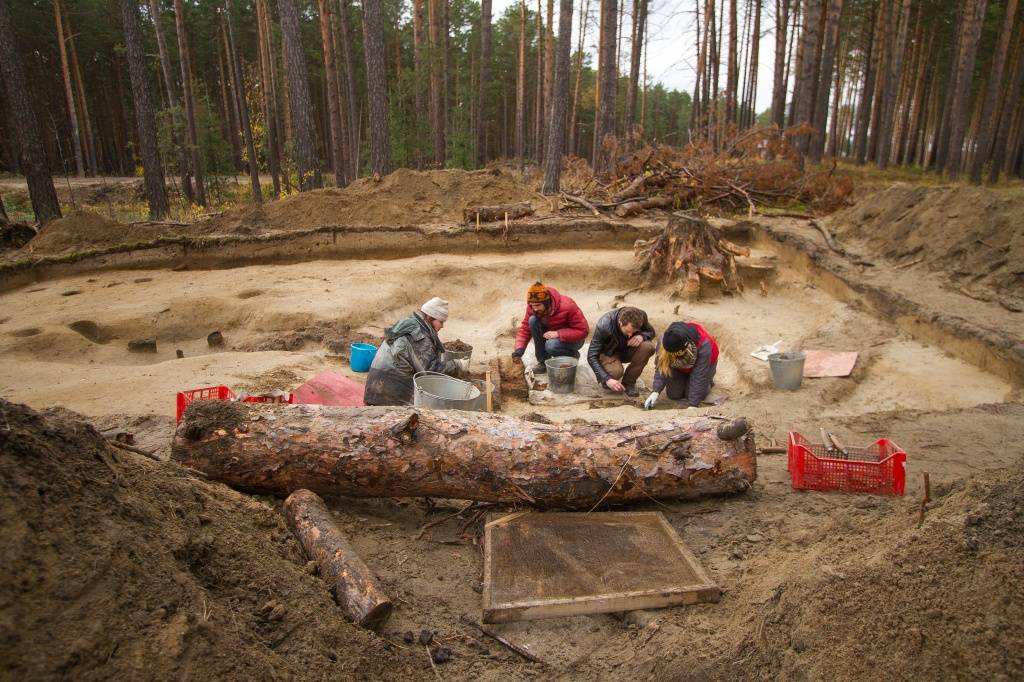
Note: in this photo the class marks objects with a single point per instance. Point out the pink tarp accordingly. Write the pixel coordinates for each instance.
(827, 363)
(330, 388)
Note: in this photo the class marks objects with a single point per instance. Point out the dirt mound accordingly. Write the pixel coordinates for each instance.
(930, 603)
(973, 234)
(84, 230)
(127, 568)
(405, 197)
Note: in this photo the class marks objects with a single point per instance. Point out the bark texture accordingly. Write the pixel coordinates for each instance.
(333, 95)
(485, 77)
(559, 102)
(243, 106)
(354, 587)
(779, 81)
(190, 109)
(376, 86)
(298, 95)
(153, 169)
(409, 452)
(31, 153)
(606, 76)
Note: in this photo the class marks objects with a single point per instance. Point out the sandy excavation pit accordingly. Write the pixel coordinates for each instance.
(787, 562)
(279, 320)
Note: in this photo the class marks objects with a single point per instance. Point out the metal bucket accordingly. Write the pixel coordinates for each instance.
(439, 391)
(561, 373)
(787, 370)
(458, 354)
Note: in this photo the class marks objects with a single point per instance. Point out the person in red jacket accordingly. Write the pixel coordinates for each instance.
(554, 322)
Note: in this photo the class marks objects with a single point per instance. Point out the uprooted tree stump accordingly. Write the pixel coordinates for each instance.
(409, 452)
(688, 252)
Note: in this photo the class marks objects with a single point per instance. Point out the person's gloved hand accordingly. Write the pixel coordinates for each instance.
(462, 367)
(651, 399)
(691, 407)
(518, 352)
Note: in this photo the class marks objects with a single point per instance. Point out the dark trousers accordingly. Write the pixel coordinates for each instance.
(551, 348)
(678, 385)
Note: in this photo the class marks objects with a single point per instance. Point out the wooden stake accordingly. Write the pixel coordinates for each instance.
(487, 387)
(927, 497)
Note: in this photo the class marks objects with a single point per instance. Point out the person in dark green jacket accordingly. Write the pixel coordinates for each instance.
(410, 346)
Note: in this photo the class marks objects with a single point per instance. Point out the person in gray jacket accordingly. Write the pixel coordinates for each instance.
(620, 348)
(410, 346)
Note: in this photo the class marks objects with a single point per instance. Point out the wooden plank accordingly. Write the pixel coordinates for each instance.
(565, 564)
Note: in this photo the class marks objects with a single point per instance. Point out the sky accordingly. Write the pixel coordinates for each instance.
(672, 50)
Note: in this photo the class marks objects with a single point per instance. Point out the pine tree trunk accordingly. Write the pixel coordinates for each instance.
(406, 452)
(172, 97)
(538, 99)
(860, 135)
(636, 49)
(520, 124)
(376, 86)
(336, 144)
(779, 82)
(940, 146)
(604, 133)
(1014, 89)
(351, 98)
(232, 88)
(69, 94)
(190, 111)
(549, 60)
(437, 94)
(153, 169)
(989, 118)
(243, 105)
(559, 101)
(88, 134)
(22, 118)
(894, 69)
(755, 51)
(808, 75)
(962, 97)
(485, 79)
(828, 60)
(264, 38)
(298, 95)
(700, 90)
(574, 138)
(732, 72)
(422, 77)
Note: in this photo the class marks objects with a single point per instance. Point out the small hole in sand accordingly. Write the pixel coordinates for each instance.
(250, 293)
(70, 292)
(142, 280)
(31, 331)
(91, 331)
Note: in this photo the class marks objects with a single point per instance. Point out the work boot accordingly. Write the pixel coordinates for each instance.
(632, 391)
(540, 368)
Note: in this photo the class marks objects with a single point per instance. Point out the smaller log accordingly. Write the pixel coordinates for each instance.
(632, 207)
(582, 202)
(490, 214)
(353, 585)
(633, 189)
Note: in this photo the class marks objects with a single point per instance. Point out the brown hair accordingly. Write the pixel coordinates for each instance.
(633, 316)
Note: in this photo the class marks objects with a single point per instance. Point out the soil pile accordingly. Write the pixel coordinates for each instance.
(930, 603)
(405, 197)
(84, 230)
(973, 234)
(127, 568)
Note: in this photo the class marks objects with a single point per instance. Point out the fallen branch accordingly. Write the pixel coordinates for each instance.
(498, 638)
(582, 202)
(131, 448)
(632, 207)
(829, 240)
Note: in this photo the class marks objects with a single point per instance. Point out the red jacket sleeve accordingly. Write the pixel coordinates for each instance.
(523, 336)
(577, 329)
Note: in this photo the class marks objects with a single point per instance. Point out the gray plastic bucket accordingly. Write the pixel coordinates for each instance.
(439, 391)
(787, 370)
(561, 374)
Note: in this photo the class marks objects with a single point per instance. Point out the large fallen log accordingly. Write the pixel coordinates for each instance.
(352, 583)
(411, 452)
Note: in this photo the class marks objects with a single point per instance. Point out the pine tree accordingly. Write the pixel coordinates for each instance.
(376, 86)
(302, 128)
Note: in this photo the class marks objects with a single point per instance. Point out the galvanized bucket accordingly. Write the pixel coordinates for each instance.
(787, 370)
(441, 392)
(561, 374)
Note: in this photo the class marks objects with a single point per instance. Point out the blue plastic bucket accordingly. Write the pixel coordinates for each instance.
(361, 356)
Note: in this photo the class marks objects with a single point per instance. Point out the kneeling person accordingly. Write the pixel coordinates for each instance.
(685, 364)
(621, 337)
(554, 322)
(410, 346)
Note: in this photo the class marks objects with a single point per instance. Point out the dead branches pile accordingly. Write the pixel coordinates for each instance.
(755, 168)
(688, 252)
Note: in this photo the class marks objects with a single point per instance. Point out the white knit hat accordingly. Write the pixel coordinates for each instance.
(437, 308)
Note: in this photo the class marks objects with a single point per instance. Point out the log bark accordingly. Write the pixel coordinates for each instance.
(352, 583)
(489, 214)
(358, 452)
(639, 205)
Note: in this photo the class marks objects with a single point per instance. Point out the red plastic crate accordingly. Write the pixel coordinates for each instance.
(875, 469)
(209, 393)
(269, 399)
